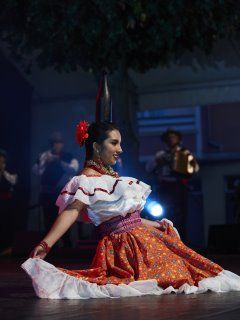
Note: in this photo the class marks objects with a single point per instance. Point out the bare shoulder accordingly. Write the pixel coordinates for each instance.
(90, 172)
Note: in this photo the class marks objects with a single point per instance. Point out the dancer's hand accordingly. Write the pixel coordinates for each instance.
(162, 225)
(38, 252)
(41, 250)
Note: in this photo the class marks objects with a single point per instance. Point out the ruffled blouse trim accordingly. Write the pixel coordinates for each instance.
(97, 189)
(89, 190)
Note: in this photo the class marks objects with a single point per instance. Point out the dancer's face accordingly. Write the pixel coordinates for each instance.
(110, 149)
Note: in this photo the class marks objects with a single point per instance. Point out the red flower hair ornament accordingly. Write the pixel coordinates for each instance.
(82, 132)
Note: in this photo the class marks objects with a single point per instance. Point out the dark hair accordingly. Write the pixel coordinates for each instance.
(97, 132)
(168, 132)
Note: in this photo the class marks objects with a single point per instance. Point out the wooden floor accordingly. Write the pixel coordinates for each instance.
(18, 301)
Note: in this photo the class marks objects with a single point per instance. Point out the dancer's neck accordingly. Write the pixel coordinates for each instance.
(101, 168)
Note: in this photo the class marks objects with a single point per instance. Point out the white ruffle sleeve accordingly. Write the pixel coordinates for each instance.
(105, 196)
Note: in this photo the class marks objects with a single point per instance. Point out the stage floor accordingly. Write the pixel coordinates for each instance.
(18, 301)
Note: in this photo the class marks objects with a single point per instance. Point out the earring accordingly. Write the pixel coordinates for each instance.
(98, 156)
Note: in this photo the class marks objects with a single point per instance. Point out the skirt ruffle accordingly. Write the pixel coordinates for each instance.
(143, 261)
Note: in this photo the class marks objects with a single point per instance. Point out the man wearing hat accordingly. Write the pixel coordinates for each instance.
(173, 167)
(55, 168)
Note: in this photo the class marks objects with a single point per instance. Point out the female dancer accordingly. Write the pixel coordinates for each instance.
(134, 256)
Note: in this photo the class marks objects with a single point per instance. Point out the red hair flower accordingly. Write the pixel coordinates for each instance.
(82, 132)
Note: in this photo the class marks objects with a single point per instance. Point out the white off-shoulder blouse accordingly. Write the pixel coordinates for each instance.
(105, 196)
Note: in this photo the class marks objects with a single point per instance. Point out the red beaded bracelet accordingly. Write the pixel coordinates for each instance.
(45, 246)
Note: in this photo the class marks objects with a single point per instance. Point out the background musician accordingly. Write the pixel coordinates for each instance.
(8, 182)
(55, 167)
(173, 167)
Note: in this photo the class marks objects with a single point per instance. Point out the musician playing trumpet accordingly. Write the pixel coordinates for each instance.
(173, 167)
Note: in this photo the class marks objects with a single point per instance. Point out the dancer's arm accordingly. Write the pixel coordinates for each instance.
(62, 223)
(150, 223)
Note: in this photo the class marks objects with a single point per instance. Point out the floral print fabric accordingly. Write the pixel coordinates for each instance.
(146, 253)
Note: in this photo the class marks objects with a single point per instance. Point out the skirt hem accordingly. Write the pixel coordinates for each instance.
(51, 283)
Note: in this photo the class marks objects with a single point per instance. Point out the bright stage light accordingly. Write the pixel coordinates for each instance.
(155, 209)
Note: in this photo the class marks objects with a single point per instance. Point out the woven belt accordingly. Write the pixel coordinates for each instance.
(121, 224)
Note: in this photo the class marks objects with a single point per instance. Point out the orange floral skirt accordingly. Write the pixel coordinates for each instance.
(146, 253)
